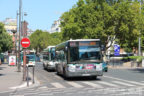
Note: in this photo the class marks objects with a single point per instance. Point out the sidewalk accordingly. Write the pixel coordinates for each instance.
(126, 65)
(9, 77)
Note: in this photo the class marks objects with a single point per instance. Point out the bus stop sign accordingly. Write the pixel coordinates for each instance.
(116, 50)
(25, 42)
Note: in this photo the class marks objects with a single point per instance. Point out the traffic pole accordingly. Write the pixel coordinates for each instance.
(24, 64)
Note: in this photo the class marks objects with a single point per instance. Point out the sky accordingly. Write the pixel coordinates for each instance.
(40, 13)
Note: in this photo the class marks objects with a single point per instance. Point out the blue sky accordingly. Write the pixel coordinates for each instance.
(41, 13)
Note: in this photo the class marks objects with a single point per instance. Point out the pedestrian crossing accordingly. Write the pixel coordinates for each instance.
(68, 87)
(93, 84)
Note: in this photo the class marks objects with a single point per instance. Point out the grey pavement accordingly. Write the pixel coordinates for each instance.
(115, 82)
(9, 77)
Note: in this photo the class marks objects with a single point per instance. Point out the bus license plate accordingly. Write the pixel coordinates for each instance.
(85, 74)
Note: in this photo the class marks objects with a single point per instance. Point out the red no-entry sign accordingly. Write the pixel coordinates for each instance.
(25, 42)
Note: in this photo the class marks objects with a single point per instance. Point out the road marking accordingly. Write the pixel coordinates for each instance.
(93, 84)
(43, 87)
(138, 83)
(122, 83)
(75, 84)
(133, 82)
(58, 85)
(109, 84)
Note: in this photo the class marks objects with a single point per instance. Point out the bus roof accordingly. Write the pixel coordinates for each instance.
(47, 49)
(85, 40)
(61, 44)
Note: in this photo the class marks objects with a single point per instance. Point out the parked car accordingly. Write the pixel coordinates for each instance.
(105, 67)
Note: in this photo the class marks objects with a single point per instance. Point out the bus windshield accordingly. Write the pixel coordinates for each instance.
(53, 54)
(85, 54)
(31, 57)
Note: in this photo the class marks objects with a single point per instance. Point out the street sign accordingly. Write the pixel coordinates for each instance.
(25, 42)
(116, 50)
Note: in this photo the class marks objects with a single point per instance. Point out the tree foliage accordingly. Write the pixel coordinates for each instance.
(5, 39)
(40, 40)
(108, 20)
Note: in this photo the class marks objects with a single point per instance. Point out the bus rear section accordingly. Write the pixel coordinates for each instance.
(81, 58)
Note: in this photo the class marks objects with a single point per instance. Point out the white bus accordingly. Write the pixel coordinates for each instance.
(80, 57)
(49, 58)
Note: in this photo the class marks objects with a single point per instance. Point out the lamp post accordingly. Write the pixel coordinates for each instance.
(139, 39)
(19, 61)
(14, 44)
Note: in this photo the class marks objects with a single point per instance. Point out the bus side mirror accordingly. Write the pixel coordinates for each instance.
(66, 48)
(102, 47)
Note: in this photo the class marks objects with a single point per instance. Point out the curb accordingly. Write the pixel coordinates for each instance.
(24, 85)
(117, 67)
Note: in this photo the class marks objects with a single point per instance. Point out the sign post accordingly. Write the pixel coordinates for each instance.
(25, 42)
(116, 51)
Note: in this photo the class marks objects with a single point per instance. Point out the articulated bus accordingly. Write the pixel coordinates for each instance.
(49, 58)
(80, 57)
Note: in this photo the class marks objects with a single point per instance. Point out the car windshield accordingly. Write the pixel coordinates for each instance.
(85, 54)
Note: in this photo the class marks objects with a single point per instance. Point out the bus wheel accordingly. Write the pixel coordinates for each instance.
(64, 74)
(44, 67)
(57, 71)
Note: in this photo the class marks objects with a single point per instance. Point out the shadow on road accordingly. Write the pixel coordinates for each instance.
(80, 78)
(1, 68)
(1, 74)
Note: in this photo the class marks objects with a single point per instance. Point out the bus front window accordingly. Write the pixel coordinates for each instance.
(85, 53)
(89, 53)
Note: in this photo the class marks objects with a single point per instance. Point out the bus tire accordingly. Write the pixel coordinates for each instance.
(57, 70)
(44, 67)
(64, 74)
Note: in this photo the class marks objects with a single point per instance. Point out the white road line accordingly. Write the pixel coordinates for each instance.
(75, 84)
(108, 84)
(43, 87)
(93, 84)
(138, 83)
(133, 82)
(116, 78)
(122, 83)
(58, 85)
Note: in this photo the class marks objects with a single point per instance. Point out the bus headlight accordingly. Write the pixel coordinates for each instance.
(99, 67)
(71, 68)
(51, 63)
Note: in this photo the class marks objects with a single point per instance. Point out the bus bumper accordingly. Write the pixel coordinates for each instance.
(83, 74)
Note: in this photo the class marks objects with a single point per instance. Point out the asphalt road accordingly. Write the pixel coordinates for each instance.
(115, 82)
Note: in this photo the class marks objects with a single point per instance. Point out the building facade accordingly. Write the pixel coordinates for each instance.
(56, 26)
(10, 25)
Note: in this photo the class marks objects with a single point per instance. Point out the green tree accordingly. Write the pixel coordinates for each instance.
(40, 40)
(5, 40)
(109, 20)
